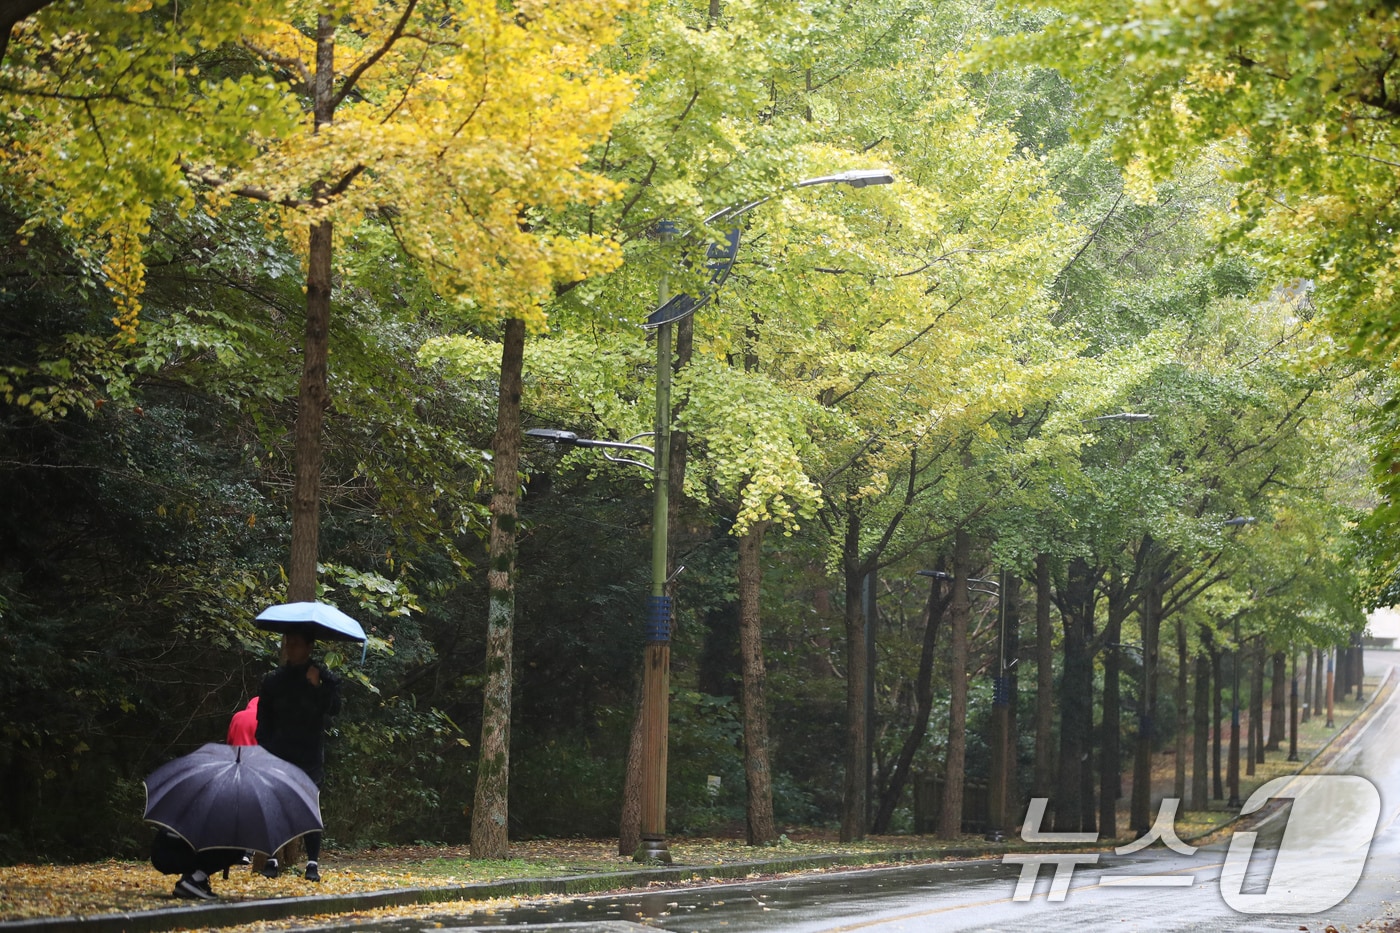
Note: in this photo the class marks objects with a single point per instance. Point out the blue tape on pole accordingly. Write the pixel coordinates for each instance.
(658, 628)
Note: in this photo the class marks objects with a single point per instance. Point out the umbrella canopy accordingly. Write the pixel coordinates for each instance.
(233, 797)
(325, 621)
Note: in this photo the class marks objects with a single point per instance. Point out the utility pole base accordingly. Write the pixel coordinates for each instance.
(652, 852)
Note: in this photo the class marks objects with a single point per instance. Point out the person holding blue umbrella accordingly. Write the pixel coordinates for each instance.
(295, 705)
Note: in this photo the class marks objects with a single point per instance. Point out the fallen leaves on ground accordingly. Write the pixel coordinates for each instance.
(113, 886)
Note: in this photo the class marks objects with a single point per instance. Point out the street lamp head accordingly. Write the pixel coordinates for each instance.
(856, 178)
(936, 574)
(553, 436)
(1122, 416)
(1241, 520)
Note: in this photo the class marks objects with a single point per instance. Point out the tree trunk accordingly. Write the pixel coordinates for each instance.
(1293, 711)
(1012, 802)
(1330, 691)
(1183, 712)
(1359, 670)
(629, 835)
(758, 775)
(1044, 777)
(1307, 687)
(1200, 758)
(1322, 688)
(1110, 744)
(855, 787)
(1217, 713)
(1151, 618)
(1278, 703)
(950, 819)
(999, 745)
(490, 818)
(1074, 809)
(1256, 706)
(313, 395)
(923, 703)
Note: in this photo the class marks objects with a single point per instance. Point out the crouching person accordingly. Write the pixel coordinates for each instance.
(172, 855)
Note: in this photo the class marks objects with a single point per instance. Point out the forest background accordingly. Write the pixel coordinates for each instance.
(281, 287)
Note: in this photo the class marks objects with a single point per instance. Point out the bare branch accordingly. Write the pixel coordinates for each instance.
(366, 64)
(285, 62)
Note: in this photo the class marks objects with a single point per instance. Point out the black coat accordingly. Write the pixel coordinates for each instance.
(293, 715)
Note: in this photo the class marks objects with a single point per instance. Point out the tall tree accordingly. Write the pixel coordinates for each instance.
(1296, 102)
(951, 810)
(753, 439)
(490, 813)
(476, 125)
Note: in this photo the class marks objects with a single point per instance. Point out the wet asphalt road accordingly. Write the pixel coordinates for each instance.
(1331, 858)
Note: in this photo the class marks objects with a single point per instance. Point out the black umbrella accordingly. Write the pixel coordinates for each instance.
(233, 797)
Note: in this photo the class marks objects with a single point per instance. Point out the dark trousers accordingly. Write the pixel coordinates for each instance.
(172, 855)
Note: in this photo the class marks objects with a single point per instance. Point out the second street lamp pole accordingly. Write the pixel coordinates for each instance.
(656, 658)
(660, 613)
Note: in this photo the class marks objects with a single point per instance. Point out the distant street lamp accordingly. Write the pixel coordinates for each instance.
(656, 662)
(1121, 416)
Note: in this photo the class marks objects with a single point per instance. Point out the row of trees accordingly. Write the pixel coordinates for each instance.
(431, 223)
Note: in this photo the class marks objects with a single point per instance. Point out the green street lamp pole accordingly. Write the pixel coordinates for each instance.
(660, 614)
(656, 653)
(656, 659)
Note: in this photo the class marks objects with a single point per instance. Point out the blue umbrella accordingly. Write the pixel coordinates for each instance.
(322, 620)
(325, 621)
(233, 797)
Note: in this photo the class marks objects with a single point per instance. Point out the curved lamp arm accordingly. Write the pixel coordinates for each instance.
(570, 439)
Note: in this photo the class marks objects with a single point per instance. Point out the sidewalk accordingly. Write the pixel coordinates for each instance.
(130, 897)
(1317, 745)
